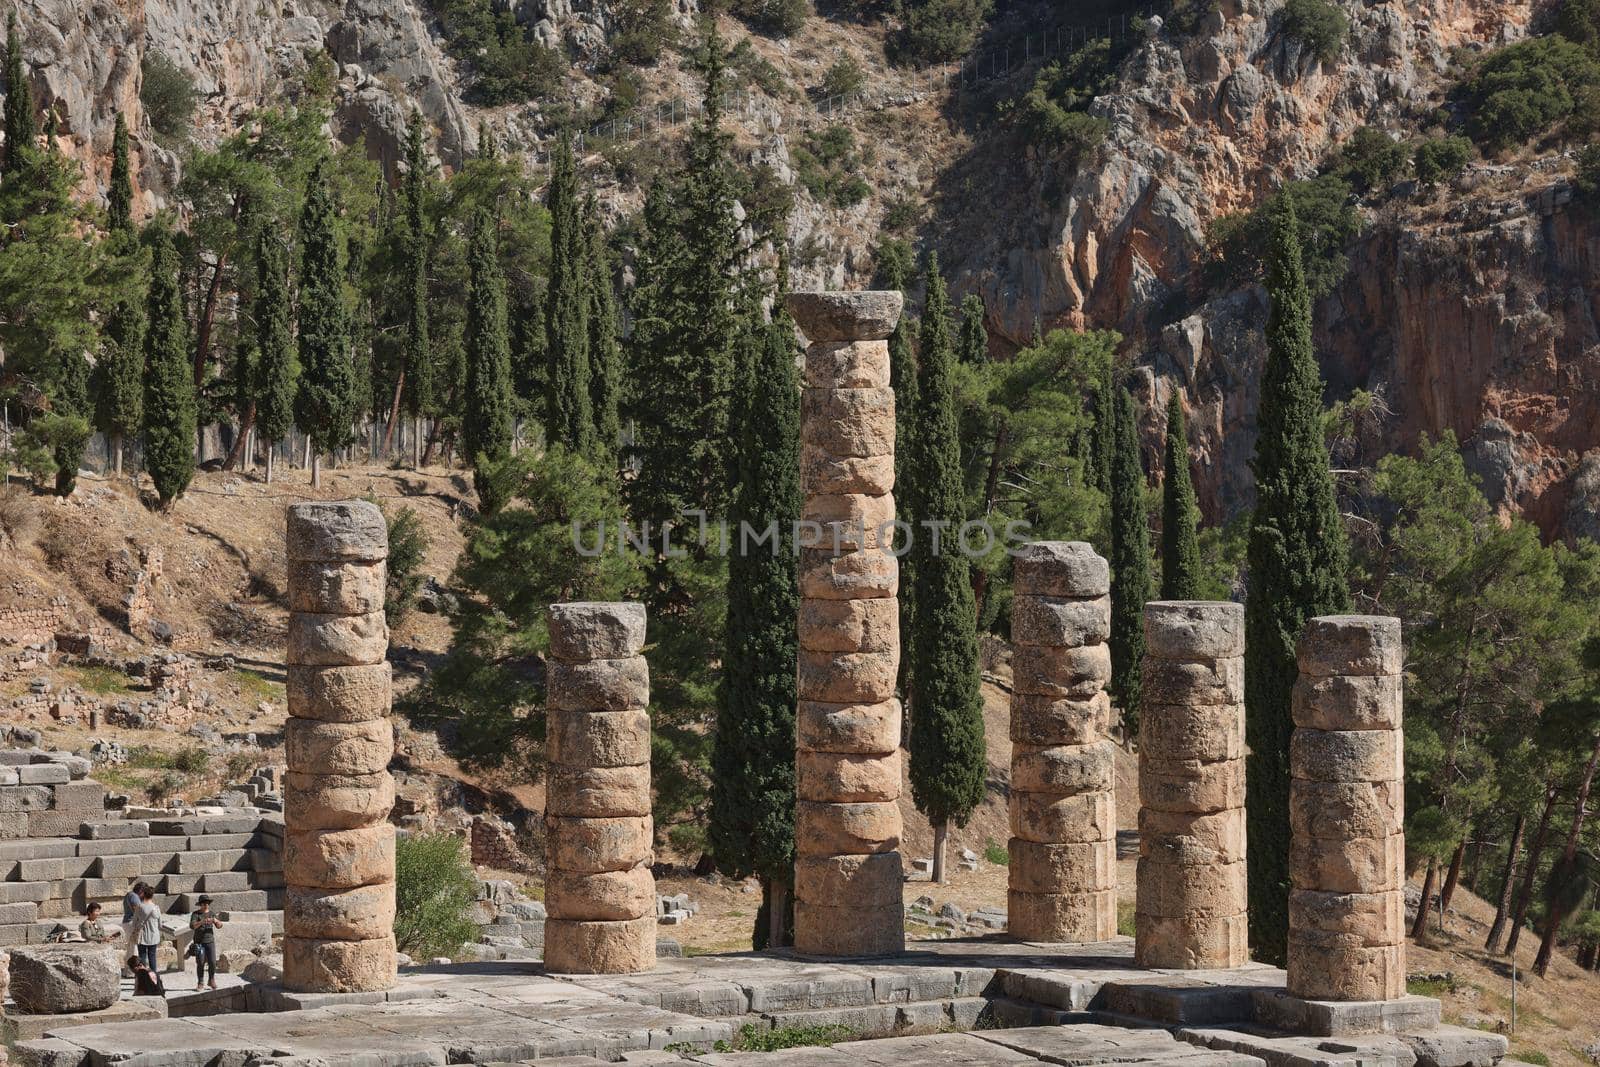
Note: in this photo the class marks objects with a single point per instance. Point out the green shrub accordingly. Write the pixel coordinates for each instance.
(1440, 159)
(777, 18)
(192, 760)
(1317, 24)
(1579, 21)
(167, 93)
(1328, 223)
(828, 164)
(1054, 109)
(902, 215)
(844, 78)
(996, 854)
(1370, 161)
(434, 890)
(642, 30)
(1531, 89)
(52, 448)
(759, 70)
(507, 64)
(1587, 180)
(755, 1039)
(938, 31)
(408, 547)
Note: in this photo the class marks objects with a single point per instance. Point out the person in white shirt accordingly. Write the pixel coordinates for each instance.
(147, 928)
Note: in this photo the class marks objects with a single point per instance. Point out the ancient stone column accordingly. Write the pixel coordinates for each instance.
(847, 823)
(338, 914)
(1192, 897)
(1063, 869)
(1346, 813)
(599, 892)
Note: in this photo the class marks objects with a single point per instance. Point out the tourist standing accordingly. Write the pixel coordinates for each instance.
(204, 927)
(147, 928)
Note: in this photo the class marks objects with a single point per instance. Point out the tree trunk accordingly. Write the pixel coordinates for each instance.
(941, 833)
(316, 470)
(116, 452)
(1569, 855)
(1525, 894)
(416, 443)
(208, 315)
(980, 577)
(1451, 879)
(394, 412)
(272, 450)
(427, 453)
(1503, 906)
(1420, 926)
(305, 461)
(237, 452)
(777, 908)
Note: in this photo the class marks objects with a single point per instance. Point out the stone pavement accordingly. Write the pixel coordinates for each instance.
(1061, 1004)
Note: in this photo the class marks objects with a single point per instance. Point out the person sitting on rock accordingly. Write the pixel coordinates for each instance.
(95, 931)
(146, 982)
(204, 926)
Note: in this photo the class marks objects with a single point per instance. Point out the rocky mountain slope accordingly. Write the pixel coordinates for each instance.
(1471, 309)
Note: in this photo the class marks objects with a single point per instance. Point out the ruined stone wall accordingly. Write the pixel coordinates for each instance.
(1063, 849)
(339, 902)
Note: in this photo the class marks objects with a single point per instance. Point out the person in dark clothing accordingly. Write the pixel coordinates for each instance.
(146, 983)
(204, 927)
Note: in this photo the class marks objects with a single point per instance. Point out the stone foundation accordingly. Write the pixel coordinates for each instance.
(1346, 812)
(599, 894)
(339, 849)
(1063, 848)
(1192, 899)
(848, 870)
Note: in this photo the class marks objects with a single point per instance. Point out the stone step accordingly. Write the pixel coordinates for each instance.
(1178, 1003)
(248, 900)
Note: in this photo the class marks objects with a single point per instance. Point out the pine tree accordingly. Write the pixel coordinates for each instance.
(1130, 559)
(325, 402)
(1104, 448)
(1180, 515)
(21, 129)
(1297, 557)
(605, 352)
(119, 389)
(274, 372)
(414, 391)
(753, 780)
(947, 742)
(119, 199)
(568, 415)
(487, 422)
(169, 397)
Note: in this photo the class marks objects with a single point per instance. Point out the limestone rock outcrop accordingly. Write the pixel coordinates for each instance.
(60, 979)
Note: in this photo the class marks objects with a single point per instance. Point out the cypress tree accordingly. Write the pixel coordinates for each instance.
(325, 402)
(894, 269)
(605, 353)
(973, 347)
(487, 422)
(1180, 516)
(21, 129)
(569, 417)
(753, 779)
(1130, 559)
(119, 392)
(417, 363)
(1105, 428)
(1298, 570)
(169, 399)
(273, 373)
(947, 742)
(119, 199)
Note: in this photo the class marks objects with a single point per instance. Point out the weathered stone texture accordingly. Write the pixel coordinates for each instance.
(61, 979)
(847, 821)
(1346, 813)
(1192, 897)
(339, 849)
(1063, 771)
(599, 892)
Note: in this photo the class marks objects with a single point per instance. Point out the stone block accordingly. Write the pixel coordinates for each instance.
(1350, 644)
(1079, 867)
(339, 859)
(591, 845)
(336, 802)
(849, 625)
(1347, 755)
(21, 912)
(847, 364)
(848, 422)
(1364, 919)
(822, 472)
(1341, 810)
(1191, 785)
(624, 947)
(338, 748)
(846, 316)
(360, 914)
(337, 530)
(833, 777)
(1200, 630)
(20, 1027)
(599, 685)
(1193, 839)
(846, 829)
(873, 881)
(13, 825)
(339, 587)
(55, 823)
(1328, 1018)
(339, 694)
(44, 870)
(847, 677)
(1064, 769)
(1042, 720)
(1069, 673)
(1192, 942)
(337, 640)
(56, 979)
(1348, 702)
(116, 867)
(598, 791)
(1181, 891)
(599, 739)
(225, 882)
(43, 774)
(1064, 917)
(600, 896)
(854, 575)
(25, 798)
(1060, 568)
(861, 729)
(1050, 819)
(1172, 681)
(848, 930)
(1191, 731)
(847, 522)
(316, 966)
(1323, 972)
(1060, 622)
(587, 630)
(1354, 865)
(117, 830)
